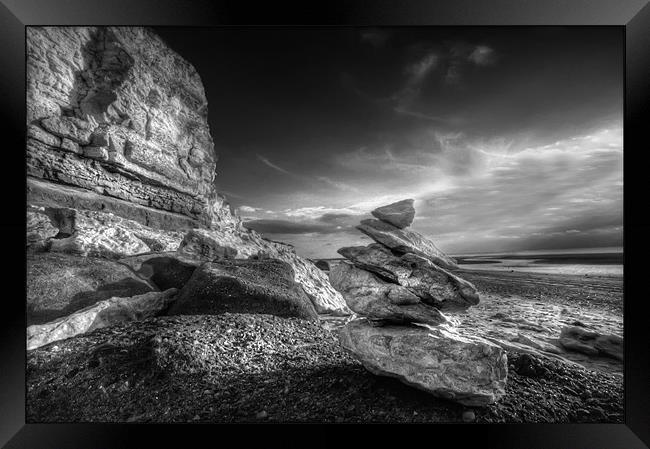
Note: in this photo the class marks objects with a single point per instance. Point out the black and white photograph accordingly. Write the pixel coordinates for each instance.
(324, 224)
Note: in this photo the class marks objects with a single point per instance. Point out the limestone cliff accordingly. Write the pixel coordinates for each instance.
(118, 121)
(120, 160)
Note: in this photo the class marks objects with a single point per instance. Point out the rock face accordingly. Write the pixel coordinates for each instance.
(464, 369)
(426, 280)
(399, 214)
(574, 338)
(244, 286)
(102, 314)
(115, 111)
(39, 229)
(91, 233)
(371, 297)
(60, 284)
(405, 241)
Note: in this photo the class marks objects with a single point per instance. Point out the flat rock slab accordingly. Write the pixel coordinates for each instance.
(244, 286)
(368, 295)
(575, 338)
(426, 280)
(399, 214)
(405, 241)
(465, 369)
(102, 314)
(60, 284)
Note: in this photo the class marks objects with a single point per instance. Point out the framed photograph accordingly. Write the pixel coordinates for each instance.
(416, 213)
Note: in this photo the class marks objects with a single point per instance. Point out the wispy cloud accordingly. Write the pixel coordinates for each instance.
(375, 37)
(268, 163)
(482, 55)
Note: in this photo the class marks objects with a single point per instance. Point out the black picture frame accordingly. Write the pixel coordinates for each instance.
(634, 15)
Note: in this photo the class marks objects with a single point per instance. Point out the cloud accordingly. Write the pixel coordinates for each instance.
(248, 209)
(292, 227)
(482, 55)
(337, 184)
(376, 38)
(268, 163)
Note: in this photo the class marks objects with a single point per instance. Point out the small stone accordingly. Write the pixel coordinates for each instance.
(262, 415)
(469, 416)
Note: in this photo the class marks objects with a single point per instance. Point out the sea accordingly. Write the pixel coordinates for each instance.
(606, 261)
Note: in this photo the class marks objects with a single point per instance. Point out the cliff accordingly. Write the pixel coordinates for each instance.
(117, 121)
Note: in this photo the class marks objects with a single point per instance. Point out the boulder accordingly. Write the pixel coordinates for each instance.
(368, 295)
(404, 241)
(93, 233)
(202, 245)
(244, 286)
(578, 339)
(399, 214)
(439, 360)
(164, 270)
(102, 314)
(426, 280)
(59, 284)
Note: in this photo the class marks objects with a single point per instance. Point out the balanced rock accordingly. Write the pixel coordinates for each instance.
(578, 339)
(102, 314)
(60, 284)
(405, 241)
(399, 214)
(244, 286)
(439, 360)
(368, 295)
(426, 280)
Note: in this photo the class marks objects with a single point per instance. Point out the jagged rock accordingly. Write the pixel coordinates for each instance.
(200, 245)
(433, 284)
(244, 286)
(104, 313)
(98, 113)
(574, 338)
(164, 270)
(92, 233)
(371, 297)
(39, 229)
(399, 214)
(204, 243)
(405, 241)
(437, 359)
(60, 284)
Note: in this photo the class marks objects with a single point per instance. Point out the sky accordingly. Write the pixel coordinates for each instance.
(507, 138)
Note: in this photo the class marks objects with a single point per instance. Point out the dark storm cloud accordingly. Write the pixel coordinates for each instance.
(508, 138)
